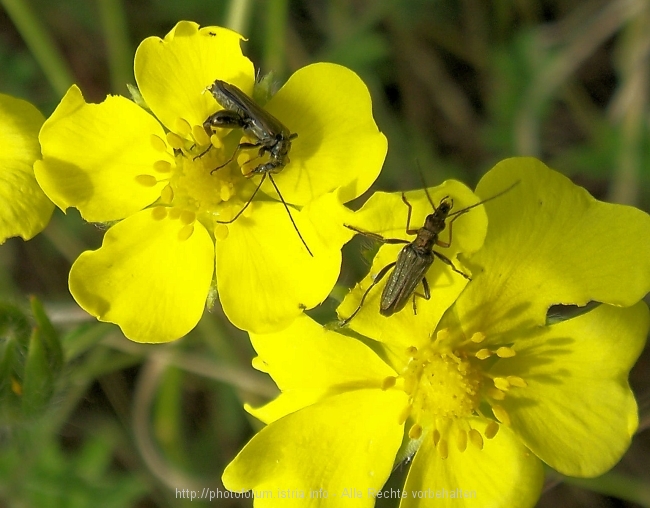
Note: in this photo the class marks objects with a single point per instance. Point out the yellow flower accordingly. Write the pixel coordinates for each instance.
(25, 209)
(495, 386)
(117, 162)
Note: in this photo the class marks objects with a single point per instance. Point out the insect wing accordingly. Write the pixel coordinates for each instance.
(407, 274)
(263, 125)
(230, 97)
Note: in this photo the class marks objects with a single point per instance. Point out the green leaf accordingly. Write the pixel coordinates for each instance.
(14, 339)
(84, 338)
(38, 384)
(50, 338)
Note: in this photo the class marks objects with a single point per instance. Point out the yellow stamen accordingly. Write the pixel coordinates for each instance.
(478, 337)
(146, 180)
(185, 232)
(416, 431)
(187, 217)
(491, 429)
(175, 213)
(443, 449)
(200, 136)
(517, 381)
(495, 394)
(242, 159)
(216, 141)
(483, 354)
(442, 334)
(225, 192)
(501, 414)
(159, 213)
(461, 440)
(388, 382)
(175, 141)
(162, 166)
(158, 144)
(182, 127)
(476, 439)
(436, 437)
(167, 194)
(505, 352)
(249, 210)
(501, 383)
(221, 232)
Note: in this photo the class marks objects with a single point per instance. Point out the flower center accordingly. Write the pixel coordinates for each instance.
(448, 385)
(203, 178)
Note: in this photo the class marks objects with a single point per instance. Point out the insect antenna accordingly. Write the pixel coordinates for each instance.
(250, 200)
(468, 208)
(286, 207)
(424, 185)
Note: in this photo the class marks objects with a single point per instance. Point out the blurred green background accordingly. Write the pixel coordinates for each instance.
(457, 85)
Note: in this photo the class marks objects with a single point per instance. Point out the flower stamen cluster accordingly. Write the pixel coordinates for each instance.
(193, 185)
(446, 386)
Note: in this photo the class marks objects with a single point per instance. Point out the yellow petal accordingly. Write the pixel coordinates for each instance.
(503, 474)
(577, 412)
(550, 242)
(309, 362)
(173, 73)
(265, 275)
(338, 143)
(148, 277)
(328, 215)
(386, 215)
(25, 208)
(94, 154)
(342, 446)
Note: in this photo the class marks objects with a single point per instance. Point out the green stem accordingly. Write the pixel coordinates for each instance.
(237, 16)
(41, 45)
(120, 57)
(630, 108)
(276, 32)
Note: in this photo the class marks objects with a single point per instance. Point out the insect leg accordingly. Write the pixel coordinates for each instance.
(426, 295)
(408, 217)
(409, 230)
(425, 285)
(240, 146)
(286, 207)
(448, 261)
(210, 146)
(375, 236)
(250, 200)
(382, 273)
(446, 244)
(223, 119)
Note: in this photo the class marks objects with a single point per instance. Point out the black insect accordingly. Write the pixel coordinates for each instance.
(415, 259)
(273, 137)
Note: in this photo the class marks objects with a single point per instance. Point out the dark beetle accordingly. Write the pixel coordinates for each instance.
(240, 111)
(415, 259)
